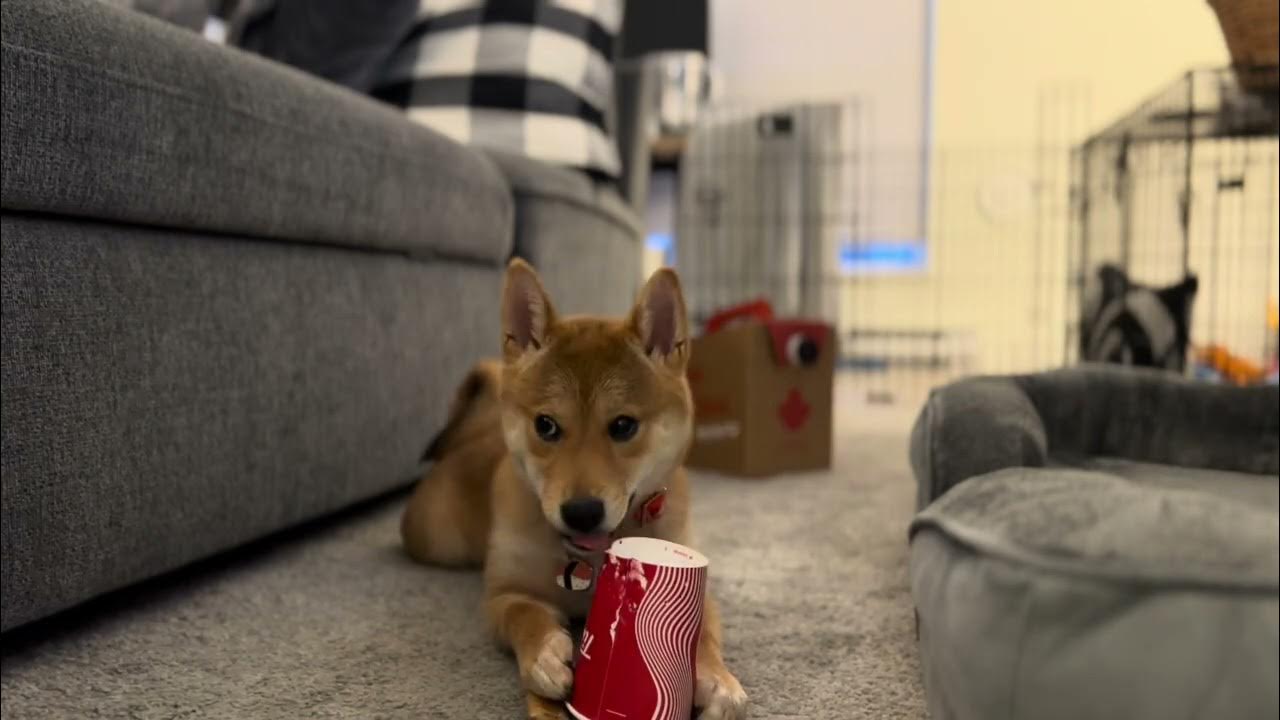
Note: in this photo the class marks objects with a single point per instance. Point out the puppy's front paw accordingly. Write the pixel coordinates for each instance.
(548, 673)
(719, 695)
(543, 709)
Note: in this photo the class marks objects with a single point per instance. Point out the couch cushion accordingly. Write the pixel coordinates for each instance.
(168, 396)
(1059, 593)
(1259, 490)
(563, 216)
(114, 115)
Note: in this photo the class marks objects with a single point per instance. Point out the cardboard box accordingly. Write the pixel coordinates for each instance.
(762, 397)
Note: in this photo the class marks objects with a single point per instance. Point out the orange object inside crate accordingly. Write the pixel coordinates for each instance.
(1234, 368)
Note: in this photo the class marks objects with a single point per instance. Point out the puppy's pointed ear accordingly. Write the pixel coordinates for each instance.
(527, 314)
(659, 320)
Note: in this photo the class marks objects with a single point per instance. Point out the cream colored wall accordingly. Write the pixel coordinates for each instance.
(1009, 73)
(994, 59)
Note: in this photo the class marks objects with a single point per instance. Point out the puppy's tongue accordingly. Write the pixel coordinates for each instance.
(595, 542)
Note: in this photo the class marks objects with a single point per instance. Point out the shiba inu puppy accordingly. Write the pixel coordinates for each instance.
(574, 439)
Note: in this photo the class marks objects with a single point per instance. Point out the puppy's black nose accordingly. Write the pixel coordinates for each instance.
(583, 514)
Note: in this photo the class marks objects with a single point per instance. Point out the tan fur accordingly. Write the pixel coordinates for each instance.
(495, 490)
(447, 519)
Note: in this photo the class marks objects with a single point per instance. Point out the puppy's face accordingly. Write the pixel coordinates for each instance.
(595, 412)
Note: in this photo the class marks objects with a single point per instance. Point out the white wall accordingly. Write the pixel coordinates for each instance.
(827, 49)
(773, 52)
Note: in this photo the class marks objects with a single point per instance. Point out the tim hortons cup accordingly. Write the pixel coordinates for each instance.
(639, 649)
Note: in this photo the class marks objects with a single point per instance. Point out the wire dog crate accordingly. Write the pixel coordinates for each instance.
(1180, 196)
(792, 203)
(1021, 242)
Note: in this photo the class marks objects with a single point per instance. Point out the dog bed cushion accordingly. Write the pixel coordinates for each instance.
(1065, 593)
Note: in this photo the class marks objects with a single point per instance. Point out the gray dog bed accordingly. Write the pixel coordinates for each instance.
(1097, 543)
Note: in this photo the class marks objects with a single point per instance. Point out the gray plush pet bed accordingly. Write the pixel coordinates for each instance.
(1097, 543)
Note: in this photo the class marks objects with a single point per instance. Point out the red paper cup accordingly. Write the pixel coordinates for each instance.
(639, 649)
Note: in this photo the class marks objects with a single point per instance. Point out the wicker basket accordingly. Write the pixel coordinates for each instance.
(1252, 31)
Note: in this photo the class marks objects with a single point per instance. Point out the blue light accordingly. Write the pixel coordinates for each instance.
(883, 256)
(663, 243)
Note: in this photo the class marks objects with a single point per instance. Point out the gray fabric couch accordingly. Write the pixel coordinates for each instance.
(1097, 542)
(236, 297)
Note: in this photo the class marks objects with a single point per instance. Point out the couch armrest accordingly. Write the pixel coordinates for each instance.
(1152, 416)
(973, 427)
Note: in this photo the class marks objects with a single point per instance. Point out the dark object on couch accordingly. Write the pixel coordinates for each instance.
(1097, 542)
(1125, 323)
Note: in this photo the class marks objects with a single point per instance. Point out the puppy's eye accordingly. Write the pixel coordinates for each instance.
(623, 428)
(547, 428)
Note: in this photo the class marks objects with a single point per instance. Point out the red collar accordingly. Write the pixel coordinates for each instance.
(578, 574)
(651, 509)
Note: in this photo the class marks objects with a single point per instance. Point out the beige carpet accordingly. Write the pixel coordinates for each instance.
(334, 622)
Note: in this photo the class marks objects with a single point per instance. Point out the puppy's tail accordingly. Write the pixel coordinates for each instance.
(476, 400)
(446, 521)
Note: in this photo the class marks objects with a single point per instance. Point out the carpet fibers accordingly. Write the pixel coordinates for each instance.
(335, 622)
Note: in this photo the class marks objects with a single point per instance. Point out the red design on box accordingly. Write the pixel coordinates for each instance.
(794, 411)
